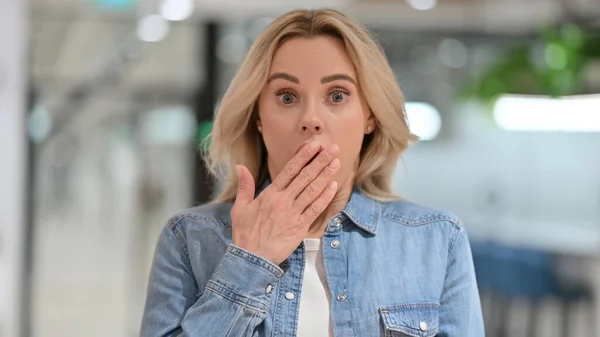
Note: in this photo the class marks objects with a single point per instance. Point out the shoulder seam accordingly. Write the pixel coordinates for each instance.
(173, 226)
(210, 220)
(455, 238)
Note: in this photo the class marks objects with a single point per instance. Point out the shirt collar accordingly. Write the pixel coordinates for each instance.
(363, 211)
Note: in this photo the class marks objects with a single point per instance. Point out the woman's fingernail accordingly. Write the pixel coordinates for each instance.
(335, 163)
(238, 170)
(332, 186)
(313, 145)
(332, 150)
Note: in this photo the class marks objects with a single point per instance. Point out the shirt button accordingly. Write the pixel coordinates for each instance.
(289, 296)
(269, 289)
(341, 297)
(423, 326)
(335, 244)
(337, 222)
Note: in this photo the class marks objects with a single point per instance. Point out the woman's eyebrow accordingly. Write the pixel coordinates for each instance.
(284, 76)
(326, 79)
(334, 77)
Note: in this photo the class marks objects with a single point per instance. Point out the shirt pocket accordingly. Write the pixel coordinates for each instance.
(413, 319)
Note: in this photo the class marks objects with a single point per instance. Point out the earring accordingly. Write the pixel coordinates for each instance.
(369, 128)
(259, 128)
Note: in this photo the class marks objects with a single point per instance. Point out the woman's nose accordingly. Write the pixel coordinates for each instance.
(311, 122)
(312, 128)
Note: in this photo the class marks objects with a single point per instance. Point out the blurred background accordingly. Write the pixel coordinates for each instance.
(103, 104)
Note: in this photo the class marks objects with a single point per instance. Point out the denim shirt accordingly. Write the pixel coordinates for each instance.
(393, 269)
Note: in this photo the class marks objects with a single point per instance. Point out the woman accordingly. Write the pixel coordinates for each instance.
(306, 237)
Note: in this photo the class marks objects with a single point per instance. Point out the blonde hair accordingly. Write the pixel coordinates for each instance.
(235, 140)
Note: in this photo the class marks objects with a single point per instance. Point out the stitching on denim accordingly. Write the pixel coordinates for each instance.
(422, 220)
(279, 312)
(451, 250)
(175, 220)
(453, 242)
(180, 242)
(209, 220)
(386, 313)
(412, 306)
(255, 259)
(233, 321)
(297, 284)
(376, 215)
(350, 298)
(229, 294)
(412, 332)
(355, 219)
(178, 233)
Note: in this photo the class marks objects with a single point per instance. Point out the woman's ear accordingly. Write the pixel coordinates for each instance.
(370, 123)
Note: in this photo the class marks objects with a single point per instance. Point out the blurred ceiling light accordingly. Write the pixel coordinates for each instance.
(540, 113)
(176, 10)
(422, 5)
(152, 28)
(453, 53)
(39, 124)
(424, 119)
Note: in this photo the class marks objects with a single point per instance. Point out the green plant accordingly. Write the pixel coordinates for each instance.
(552, 67)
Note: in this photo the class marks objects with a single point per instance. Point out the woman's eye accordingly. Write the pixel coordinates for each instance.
(338, 97)
(286, 98)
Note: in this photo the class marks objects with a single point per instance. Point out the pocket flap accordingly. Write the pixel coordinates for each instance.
(415, 319)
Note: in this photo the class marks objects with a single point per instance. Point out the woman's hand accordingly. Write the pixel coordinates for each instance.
(273, 225)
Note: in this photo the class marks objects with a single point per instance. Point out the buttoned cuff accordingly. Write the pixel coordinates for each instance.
(245, 278)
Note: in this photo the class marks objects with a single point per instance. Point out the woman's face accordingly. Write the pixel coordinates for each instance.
(312, 93)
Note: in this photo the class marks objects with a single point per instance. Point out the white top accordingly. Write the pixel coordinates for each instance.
(315, 301)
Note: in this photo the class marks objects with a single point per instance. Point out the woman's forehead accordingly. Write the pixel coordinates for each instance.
(321, 56)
